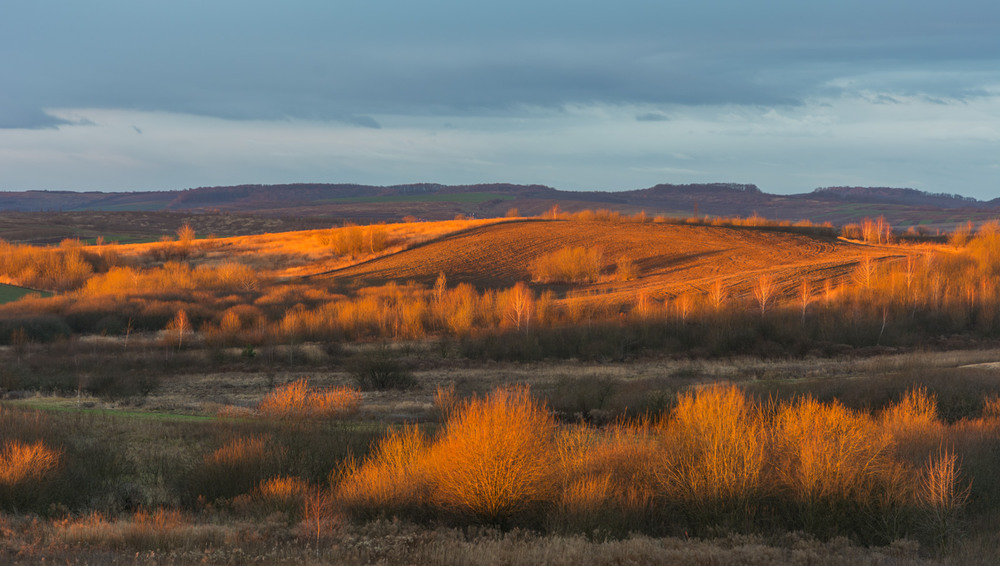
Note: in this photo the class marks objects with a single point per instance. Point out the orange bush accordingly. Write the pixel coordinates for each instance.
(913, 421)
(392, 479)
(607, 477)
(296, 400)
(715, 441)
(568, 265)
(828, 453)
(20, 461)
(495, 458)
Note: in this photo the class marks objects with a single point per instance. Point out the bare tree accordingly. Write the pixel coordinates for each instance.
(128, 332)
(805, 297)
(440, 286)
(520, 303)
(178, 327)
(717, 295)
(685, 304)
(864, 273)
(643, 304)
(764, 292)
(828, 292)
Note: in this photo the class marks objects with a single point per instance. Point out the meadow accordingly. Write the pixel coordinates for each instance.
(576, 387)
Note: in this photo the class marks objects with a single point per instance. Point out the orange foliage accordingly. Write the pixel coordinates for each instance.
(296, 400)
(240, 451)
(20, 461)
(716, 446)
(283, 489)
(60, 269)
(827, 452)
(568, 265)
(392, 478)
(494, 458)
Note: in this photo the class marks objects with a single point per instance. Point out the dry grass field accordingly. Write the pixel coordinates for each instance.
(513, 391)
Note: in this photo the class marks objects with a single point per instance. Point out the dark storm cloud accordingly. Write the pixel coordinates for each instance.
(346, 61)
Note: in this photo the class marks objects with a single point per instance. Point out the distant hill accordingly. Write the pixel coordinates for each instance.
(902, 207)
(888, 195)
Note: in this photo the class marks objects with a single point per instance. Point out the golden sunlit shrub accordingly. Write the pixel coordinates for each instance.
(913, 423)
(357, 240)
(568, 265)
(828, 456)
(961, 235)
(458, 309)
(495, 459)
(607, 478)
(627, 270)
(943, 493)
(392, 479)
(296, 400)
(991, 407)
(57, 269)
(21, 462)
(715, 450)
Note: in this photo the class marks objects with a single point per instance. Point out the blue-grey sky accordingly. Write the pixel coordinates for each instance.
(788, 94)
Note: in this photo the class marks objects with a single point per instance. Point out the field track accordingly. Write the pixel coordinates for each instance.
(672, 259)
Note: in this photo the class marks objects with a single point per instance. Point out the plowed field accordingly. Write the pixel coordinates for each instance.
(672, 259)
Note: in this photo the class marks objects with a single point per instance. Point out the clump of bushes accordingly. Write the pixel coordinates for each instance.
(296, 400)
(494, 461)
(568, 265)
(713, 461)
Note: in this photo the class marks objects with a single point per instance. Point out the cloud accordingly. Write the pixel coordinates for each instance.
(363, 121)
(27, 118)
(602, 96)
(320, 61)
(652, 117)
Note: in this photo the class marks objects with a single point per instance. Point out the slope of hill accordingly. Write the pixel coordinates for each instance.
(671, 258)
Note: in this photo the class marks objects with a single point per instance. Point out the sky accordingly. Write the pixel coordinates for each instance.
(130, 95)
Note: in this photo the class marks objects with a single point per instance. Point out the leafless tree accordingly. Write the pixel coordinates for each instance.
(764, 291)
(717, 295)
(520, 303)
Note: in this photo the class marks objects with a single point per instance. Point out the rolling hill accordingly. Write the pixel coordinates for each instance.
(671, 258)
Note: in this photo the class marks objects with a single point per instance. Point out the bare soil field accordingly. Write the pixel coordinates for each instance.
(671, 258)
